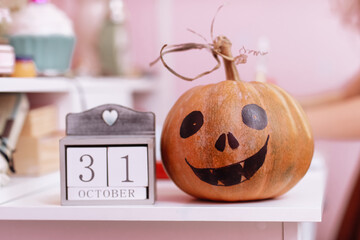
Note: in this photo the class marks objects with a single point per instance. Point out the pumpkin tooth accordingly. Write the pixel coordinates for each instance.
(242, 164)
(220, 183)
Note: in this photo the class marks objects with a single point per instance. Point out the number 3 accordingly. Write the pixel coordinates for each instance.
(88, 167)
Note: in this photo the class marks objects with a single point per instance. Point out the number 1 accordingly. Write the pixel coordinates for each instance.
(127, 169)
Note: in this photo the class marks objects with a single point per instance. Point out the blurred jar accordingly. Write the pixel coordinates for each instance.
(44, 32)
(24, 67)
(88, 16)
(114, 41)
(13, 5)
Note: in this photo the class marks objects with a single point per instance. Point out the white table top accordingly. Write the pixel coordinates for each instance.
(39, 199)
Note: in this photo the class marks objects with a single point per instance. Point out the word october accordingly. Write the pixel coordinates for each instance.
(107, 193)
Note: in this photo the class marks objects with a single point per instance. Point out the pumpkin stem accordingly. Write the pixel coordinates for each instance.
(222, 46)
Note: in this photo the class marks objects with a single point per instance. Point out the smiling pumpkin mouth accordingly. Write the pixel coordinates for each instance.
(234, 173)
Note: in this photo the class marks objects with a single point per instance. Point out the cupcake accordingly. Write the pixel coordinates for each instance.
(44, 33)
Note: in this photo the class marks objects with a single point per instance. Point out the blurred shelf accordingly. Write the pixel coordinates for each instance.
(119, 84)
(29, 85)
(23, 186)
(303, 203)
(65, 85)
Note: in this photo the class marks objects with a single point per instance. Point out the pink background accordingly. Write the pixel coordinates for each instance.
(310, 51)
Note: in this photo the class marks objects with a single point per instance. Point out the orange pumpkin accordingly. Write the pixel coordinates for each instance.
(235, 140)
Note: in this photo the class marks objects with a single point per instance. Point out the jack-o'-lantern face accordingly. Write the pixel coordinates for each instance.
(236, 141)
(253, 116)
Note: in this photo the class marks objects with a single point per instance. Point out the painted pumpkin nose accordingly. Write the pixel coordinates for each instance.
(221, 142)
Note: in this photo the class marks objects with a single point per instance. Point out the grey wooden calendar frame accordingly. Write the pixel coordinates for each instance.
(89, 129)
(108, 141)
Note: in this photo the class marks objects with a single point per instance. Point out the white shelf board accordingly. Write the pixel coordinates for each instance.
(303, 203)
(64, 85)
(118, 84)
(29, 85)
(23, 186)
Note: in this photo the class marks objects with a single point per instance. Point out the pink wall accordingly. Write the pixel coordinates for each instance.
(309, 52)
(309, 49)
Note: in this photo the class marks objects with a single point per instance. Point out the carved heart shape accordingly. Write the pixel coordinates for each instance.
(110, 117)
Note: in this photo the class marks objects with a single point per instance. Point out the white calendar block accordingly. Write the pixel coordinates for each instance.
(127, 166)
(86, 166)
(108, 157)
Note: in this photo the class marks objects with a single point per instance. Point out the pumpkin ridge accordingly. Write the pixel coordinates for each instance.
(207, 95)
(271, 182)
(285, 104)
(256, 93)
(296, 117)
(298, 109)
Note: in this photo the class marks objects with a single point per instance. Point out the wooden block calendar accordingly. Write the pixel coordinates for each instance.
(108, 157)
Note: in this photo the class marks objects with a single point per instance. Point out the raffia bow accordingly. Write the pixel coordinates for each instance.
(215, 48)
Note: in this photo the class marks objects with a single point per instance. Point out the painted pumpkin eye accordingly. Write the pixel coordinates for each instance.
(254, 116)
(191, 124)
